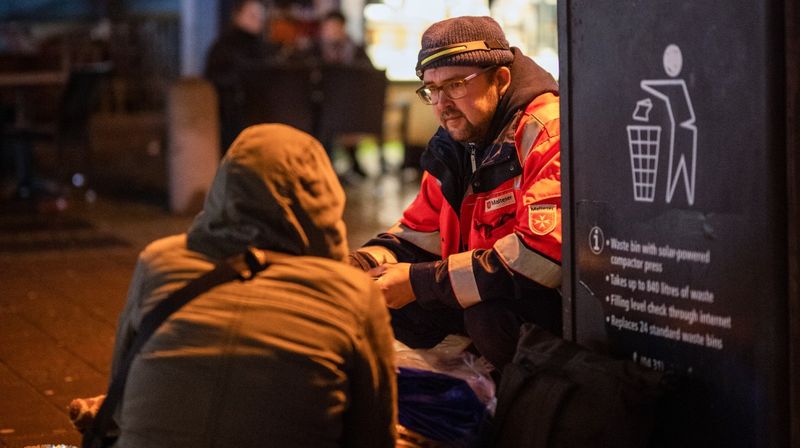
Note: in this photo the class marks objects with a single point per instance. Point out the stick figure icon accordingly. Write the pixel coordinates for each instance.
(644, 139)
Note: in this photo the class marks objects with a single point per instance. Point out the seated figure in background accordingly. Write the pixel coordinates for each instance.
(299, 356)
(334, 46)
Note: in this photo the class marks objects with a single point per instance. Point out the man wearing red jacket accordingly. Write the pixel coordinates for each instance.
(479, 250)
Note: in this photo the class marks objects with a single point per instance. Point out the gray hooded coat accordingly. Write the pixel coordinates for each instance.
(300, 356)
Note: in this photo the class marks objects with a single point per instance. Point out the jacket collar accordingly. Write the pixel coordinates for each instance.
(528, 80)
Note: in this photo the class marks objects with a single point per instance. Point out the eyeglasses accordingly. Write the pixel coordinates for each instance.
(454, 89)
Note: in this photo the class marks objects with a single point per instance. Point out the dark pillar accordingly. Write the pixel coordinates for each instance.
(680, 183)
(792, 22)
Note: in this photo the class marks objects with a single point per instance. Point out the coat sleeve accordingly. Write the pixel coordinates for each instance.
(371, 419)
(524, 261)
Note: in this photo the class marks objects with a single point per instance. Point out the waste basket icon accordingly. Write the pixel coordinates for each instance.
(643, 141)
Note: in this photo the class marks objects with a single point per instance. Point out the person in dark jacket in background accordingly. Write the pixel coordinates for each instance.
(333, 46)
(479, 250)
(241, 44)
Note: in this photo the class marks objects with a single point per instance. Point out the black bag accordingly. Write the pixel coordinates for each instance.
(558, 394)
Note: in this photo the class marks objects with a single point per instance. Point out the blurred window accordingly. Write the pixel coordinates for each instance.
(394, 29)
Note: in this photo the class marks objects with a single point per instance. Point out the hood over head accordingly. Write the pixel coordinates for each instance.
(276, 190)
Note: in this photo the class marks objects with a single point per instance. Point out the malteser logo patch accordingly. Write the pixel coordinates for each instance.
(500, 201)
(542, 218)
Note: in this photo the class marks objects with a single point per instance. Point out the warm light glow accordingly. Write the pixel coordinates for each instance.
(394, 29)
(547, 58)
(531, 25)
(377, 12)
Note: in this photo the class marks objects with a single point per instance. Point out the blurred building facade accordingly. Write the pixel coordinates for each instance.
(152, 44)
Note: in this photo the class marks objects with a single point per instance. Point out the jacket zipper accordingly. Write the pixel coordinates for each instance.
(472, 148)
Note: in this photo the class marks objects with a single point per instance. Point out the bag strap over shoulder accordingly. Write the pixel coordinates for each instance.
(243, 267)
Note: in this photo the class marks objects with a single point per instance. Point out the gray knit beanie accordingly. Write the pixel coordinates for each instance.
(467, 40)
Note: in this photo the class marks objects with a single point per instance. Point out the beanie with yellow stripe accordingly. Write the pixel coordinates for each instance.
(463, 41)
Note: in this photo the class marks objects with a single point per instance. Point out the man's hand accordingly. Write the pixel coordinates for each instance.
(393, 280)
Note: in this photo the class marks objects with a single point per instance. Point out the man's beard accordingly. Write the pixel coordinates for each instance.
(466, 132)
(469, 132)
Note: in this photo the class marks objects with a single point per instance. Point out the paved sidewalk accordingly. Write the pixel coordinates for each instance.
(63, 280)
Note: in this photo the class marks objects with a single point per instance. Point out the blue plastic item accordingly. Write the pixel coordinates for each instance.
(440, 407)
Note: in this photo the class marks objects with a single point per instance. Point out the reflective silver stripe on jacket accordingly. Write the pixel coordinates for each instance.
(380, 254)
(526, 262)
(529, 134)
(462, 279)
(428, 241)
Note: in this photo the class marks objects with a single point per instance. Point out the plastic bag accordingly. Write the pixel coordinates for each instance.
(451, 358)
(445, 394)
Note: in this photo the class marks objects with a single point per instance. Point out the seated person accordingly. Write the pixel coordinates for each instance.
(299, 356)
(335, 47)
(478, 251)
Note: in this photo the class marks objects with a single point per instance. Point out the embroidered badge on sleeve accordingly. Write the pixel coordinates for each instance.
(542, 218)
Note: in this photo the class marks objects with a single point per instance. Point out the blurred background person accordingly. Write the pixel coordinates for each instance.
(289, 33)
(333, 46)
(241, 44)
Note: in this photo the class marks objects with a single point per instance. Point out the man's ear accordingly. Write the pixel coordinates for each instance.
(503, 78)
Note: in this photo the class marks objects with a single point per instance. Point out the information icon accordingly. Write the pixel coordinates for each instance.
(597, 241)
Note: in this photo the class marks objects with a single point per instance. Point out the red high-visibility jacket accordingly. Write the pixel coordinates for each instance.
(494, 233)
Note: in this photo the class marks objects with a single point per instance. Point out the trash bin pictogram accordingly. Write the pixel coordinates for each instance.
(643, 141)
